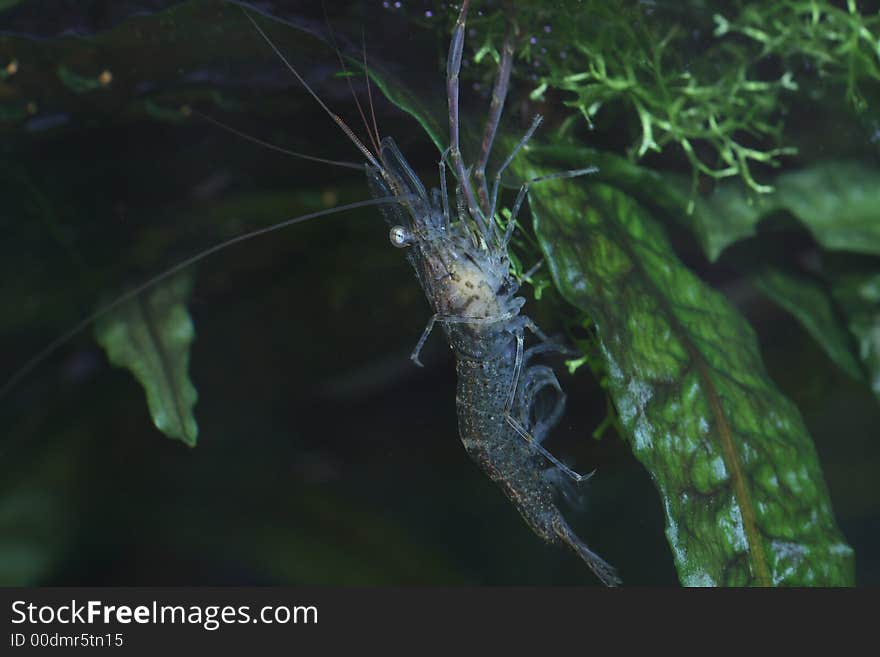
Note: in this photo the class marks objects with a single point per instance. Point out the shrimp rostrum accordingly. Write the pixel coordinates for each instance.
(461, 262)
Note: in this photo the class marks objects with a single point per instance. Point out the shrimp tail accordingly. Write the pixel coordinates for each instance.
(602, 569)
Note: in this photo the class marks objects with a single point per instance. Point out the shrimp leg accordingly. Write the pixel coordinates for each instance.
(453, 68)
(535, 379)
(517, 425)
(451, 319)
(499, 94)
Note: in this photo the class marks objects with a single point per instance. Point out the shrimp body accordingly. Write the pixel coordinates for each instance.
(464, 270)
(460, 259)
(508, 459)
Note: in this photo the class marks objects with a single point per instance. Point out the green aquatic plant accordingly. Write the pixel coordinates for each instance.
(682, 75)
(842, 44)
(712, 112)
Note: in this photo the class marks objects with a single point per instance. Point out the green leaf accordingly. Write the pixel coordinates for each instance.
(151, 336)
(745, 500)
(838, 202)
(810, 303)
(859, 297)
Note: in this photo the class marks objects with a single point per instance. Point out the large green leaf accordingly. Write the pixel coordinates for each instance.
(745, 500)
(809, 301)
(838, 202)
(150, 335)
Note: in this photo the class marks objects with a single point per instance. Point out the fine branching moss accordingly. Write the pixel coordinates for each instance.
(717, 90)
(842, 44)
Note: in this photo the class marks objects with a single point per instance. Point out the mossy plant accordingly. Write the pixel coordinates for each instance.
(715, 83)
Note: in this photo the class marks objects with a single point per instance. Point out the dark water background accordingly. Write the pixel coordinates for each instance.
(324, 456)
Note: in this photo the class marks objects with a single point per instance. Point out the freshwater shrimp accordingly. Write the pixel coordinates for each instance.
(461, 262)
(462, 265)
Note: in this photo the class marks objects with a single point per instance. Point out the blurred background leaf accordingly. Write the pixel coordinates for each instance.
(150, 335)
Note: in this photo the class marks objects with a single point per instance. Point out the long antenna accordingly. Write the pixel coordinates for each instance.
(49, 349)
(336, 118)
(269, 145)
(370, 90)
(357, 101)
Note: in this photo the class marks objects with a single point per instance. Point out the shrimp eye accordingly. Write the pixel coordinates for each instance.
(400, 237)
